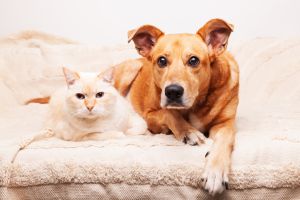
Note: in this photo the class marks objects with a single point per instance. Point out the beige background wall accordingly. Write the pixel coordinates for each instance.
(106, 22)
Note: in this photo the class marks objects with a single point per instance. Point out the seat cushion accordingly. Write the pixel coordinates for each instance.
(265, 160)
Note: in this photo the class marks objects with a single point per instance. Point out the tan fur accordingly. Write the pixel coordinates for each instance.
(210, 91)
(131, 69)
(42, 100)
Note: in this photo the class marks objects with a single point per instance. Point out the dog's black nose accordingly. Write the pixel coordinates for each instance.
(174, 92)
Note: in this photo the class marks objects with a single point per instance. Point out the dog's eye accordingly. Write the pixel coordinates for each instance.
(193, 61)
(162, 61)
(99, 94)
(80, 96)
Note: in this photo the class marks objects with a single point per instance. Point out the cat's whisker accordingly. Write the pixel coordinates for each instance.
(81, 109)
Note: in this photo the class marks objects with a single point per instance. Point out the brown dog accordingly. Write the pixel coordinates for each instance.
(188, 84)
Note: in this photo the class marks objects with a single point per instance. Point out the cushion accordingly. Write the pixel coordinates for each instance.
(265, 161)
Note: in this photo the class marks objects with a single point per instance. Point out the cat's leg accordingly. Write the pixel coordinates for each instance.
(136, 125)
(105, 135)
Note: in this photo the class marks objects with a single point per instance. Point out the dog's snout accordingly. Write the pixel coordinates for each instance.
(174, 92)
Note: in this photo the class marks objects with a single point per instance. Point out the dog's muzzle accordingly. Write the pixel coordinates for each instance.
(174, 94)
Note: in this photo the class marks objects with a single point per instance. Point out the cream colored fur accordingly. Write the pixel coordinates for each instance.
(102, 117)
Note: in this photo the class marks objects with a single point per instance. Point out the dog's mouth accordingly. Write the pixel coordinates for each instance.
(175, 105)
(174, 96)
(179, 104)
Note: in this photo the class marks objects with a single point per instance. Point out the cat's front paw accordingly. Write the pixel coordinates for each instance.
(136, 130)
(105, 135)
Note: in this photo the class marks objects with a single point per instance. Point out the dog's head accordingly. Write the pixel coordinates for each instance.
(182, 62)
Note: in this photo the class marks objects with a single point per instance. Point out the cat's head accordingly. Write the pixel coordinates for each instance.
(90, 95)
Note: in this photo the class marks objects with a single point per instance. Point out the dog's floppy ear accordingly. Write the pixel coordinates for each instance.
(215, 34)
(144, 38)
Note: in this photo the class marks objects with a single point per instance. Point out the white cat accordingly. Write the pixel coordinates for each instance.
(91, 108)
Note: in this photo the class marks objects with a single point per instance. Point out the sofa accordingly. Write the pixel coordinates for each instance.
(265, 160)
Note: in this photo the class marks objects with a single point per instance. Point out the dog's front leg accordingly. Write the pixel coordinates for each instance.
(164, 119)
(218, 160)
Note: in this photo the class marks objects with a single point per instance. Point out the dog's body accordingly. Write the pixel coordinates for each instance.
(188, 84)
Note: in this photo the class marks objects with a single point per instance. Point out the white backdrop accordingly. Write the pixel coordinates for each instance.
(107, 21)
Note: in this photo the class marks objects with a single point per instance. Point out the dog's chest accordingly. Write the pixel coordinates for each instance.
(196, 122)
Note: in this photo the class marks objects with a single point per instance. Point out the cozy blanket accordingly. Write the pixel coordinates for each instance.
(266, 161)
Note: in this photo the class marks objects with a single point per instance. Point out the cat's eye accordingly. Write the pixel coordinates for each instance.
(162, 61)
(80, 96)
(193, 61)
(99, 94)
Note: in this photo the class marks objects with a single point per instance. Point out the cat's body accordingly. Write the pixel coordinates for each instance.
(91, 108)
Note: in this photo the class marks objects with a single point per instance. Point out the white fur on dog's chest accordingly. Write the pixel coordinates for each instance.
(196, 122)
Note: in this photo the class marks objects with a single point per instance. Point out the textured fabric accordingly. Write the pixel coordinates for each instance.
(140, 192)
(155, 160)
(266, 161)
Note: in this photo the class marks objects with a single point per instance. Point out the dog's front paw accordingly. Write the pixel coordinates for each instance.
(215, 176)
(196, 138)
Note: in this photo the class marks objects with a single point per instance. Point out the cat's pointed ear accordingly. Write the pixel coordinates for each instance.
(107, 75)
(70, 76)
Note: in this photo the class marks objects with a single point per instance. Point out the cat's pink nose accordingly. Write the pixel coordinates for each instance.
(90, 108)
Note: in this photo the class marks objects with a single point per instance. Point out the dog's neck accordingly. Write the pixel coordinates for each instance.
(220, 73)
